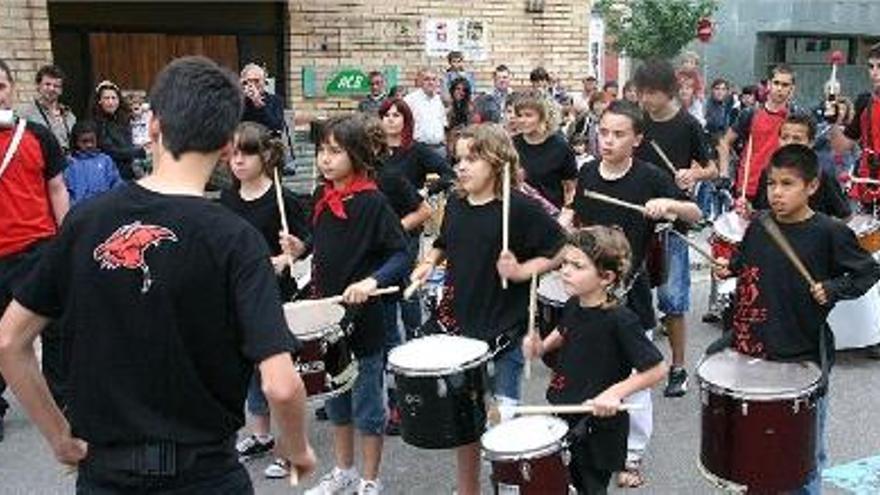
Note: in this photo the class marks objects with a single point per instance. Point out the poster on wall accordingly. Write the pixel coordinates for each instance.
(468, 36)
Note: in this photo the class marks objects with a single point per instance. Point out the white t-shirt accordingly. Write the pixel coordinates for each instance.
(429, 115)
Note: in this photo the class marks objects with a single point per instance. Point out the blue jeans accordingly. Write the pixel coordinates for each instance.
(256, 401)
(506, 380)
(674, 296)
(813, 486)
(364, 404)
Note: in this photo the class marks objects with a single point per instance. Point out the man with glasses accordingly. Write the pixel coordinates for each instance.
(759, 129)
(260, 106)
(377, 95)
(46, 109)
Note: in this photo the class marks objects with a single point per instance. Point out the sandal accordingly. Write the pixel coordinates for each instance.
(631, 476)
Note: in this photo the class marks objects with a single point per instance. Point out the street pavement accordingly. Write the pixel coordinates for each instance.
(27, 467)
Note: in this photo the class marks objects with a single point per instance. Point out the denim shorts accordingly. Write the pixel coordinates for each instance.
(364, 404)
(674, 296)
(506, 378)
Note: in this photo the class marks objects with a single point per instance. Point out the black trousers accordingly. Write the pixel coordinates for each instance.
(13, 270)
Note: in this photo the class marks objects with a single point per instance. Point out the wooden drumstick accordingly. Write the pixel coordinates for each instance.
(533, 311)
(294, 476)
(307, 303)
(745, 184)
(559, 409)
(505, 215)
(279, 198)
(411, 289)
(664, 158)
(786, 248)
(864, 180)
(618, 202)
(699, 249)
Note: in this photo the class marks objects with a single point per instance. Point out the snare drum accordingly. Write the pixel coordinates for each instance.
(529, 456)
(867, 230)
(441, 382)
(325, 363)
(728, 231)
(551, 301)
(758, 422)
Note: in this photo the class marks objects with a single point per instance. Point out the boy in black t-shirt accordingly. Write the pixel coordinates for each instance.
(777, 315)
(475, 304)
(620, 175)
(600, 342)
(167, 302)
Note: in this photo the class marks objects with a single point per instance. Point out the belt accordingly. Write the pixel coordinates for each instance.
(160, 458)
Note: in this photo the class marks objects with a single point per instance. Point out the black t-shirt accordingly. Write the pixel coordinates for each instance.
(854, 129)
(547, 165)
(263, 214)
(828, 198)
(775, 316)
(471, 238)
(416, 162)
(165, 302)
(402, 195)
(681, 138)
(601, 347)
(349, 250)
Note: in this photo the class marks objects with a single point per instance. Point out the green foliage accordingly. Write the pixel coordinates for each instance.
(653, 28)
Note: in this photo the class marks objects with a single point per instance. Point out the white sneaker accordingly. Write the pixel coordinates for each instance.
(337, 482)
(370, 487)
(279, 468)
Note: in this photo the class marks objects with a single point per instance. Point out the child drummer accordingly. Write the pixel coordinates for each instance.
(596, 329)
(475, 304)
(778, 315)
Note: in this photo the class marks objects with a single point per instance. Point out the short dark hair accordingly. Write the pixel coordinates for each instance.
(52, 71)
(82, 127)
(374, 73)
(579, 139)
(610, 84)
(539, 74)
(804, 119)
(502, 68)
(629, 110)
(874, 51)
(782, 69)
(198, 104)
(656, 75)
(719, 82)
(798, 157)
(5, 68)
(750, 90)
(454, 54)
(350, 133)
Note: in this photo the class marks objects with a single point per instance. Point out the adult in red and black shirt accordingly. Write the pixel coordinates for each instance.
(33, 201)
(760, 127)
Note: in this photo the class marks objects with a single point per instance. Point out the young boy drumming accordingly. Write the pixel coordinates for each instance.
(470, 240)
(621, 176)
(778, 315)
(596, 329)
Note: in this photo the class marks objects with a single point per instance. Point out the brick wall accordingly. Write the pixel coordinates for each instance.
(26, 44)
(371, 34)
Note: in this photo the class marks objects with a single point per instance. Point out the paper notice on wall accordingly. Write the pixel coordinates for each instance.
(468, 36)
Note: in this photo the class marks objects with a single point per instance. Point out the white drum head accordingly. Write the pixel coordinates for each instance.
(730, 226)
(550, 288)
(727, 286)
(863, 224)
(755, 378)
(436, 353)
(305, 318)
(523, 435)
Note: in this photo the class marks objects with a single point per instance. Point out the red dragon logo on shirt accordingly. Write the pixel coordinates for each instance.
(126, 248)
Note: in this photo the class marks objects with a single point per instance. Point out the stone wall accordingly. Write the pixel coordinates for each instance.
(25, 45)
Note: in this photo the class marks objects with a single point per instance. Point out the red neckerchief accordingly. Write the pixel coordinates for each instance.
(333, 198)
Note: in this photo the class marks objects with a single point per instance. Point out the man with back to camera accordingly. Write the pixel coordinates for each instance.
(168, 301)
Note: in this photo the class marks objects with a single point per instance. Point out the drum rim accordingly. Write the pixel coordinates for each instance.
(339, 391)
(331, 329)
(801, 393)
(721, 483)
(554, 446)
(440, 372)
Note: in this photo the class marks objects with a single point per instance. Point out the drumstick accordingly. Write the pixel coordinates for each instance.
(307, 303)
(745, 184)
(533, 310)
(294, 476)
(699, 249)
(663, 157)
(279, 198)
(864, 180)
(505, 215)
(562, 409)
(786, 248)
(618, 202)
(411, 289)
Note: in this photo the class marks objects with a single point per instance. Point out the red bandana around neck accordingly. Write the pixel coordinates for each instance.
(333, 198)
